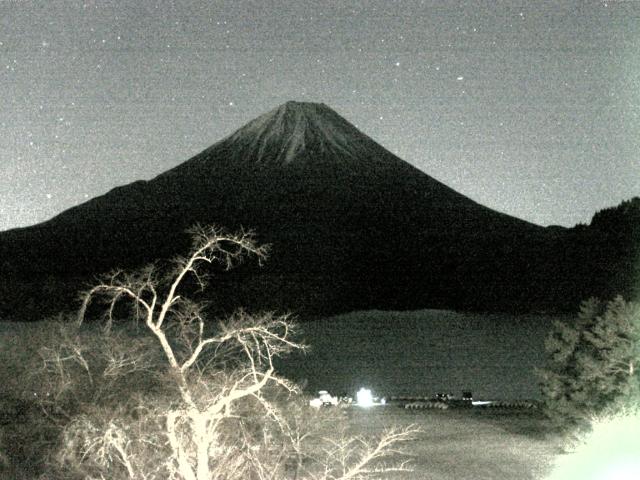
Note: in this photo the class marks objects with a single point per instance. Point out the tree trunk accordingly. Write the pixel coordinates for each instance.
(202, 446)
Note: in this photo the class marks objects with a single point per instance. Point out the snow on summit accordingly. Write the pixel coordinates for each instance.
(280, 135)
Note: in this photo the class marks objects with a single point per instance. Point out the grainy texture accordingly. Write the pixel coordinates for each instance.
(425, 352)
(530, 108)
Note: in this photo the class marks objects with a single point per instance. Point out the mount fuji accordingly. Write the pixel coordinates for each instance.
(351, 225)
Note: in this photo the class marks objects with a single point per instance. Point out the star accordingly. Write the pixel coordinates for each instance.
(315, 60)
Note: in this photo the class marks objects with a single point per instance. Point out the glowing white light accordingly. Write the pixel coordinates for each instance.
(623, 471)
(364, 397)
(609, 452)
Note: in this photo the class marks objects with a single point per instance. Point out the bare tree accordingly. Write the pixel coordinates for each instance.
(249, 342)
(223, 376)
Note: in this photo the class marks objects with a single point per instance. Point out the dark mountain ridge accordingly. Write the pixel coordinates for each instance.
(352, 227)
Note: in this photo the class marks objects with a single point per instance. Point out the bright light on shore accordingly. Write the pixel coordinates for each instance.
(364, 397)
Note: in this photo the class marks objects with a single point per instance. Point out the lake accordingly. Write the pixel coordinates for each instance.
(423, 352)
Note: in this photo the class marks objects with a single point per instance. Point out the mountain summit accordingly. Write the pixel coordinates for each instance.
(351, 225)
(294, 127)
(298, 136)
(306, 152)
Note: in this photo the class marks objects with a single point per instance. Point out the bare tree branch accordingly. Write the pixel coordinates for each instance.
(221, 375)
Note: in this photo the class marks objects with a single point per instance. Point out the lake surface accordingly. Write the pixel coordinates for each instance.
(423, 352)
(415, 353)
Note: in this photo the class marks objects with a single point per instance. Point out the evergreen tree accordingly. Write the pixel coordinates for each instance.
(592, 363)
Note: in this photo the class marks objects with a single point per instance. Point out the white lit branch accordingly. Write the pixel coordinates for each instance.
(349, 458)
(225, 412)
(146, 288)
(248, 343)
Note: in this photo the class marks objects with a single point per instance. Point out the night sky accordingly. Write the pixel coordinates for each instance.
(531, 108)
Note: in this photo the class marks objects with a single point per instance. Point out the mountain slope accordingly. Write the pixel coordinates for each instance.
(352, 226)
